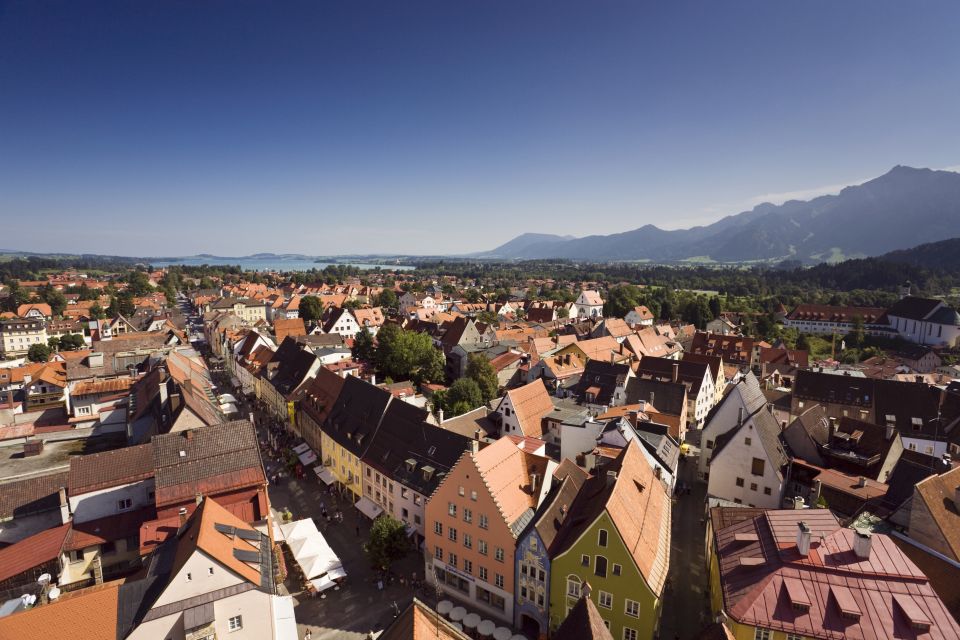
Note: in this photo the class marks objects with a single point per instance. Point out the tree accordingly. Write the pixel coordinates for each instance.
(38, 353)
(363, 347)
(311, 309)
(96, 312)
(72, 342)
(463, 395)
(563, 313)
(138, 283)
(715, 307)
(387, 299)
(482, 372)
(803, 342)
(620, 300)
(487, 317)
(56, 300)
(388, 542)
(858, 334)
(53, 342)
(472, 296)
(408, 355)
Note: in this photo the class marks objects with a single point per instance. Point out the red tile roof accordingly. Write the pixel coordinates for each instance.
(32, 552)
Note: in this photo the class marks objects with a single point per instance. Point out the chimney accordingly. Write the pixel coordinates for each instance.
(183, 516)
(633, 416)
(833, 427)
(611, 478)
(652, 395)
(803, 539)
(676, 372)
(585, 590)
(861, 543)
(798, 503)
(861, 482)
(890, 430)
(188, 434)
(64, 506)
(474, 446)
(919, 379)
(476, 434)
(533, 483)
(440, 416)
(740, 417)
(198, 498)
(817, 489)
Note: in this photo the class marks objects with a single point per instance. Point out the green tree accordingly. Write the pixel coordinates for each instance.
(96, 312)
(472, 295)
(311, 309)
(620, 300)
(72, 342)
(563, 313)
(803, 342)
(482, 372)
(858, 334)
(53, 342)
(387, 299)
(138, 283)
(487, 317)
(408, 355)
(363, 347)
(38, 353)
(715, 307)
(56, 300)
(463, 395)
(388, 542)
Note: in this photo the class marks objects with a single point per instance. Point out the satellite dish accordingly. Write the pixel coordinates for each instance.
(54, 594)
(44, 580)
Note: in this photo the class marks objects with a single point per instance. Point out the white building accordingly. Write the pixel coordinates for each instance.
(924, 321)
(589, 304)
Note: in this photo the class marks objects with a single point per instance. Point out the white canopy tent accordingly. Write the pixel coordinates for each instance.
(324, 474)
(308, 457)
(319, 563)
(368, 508)
(301, 448)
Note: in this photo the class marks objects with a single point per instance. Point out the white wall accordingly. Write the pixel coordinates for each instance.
(734, 461)
(103, 503)
(575, 440)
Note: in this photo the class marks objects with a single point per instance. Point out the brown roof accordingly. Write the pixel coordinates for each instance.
(202, 533)
(419, 622)
(97, 471)
(101, 530)
(32, 552)
(31, 495)
(639, 506)
(292, 327)
(94, 387)
(506, 471)
(531, 403)
(939, 494)
(88, 614)
(583, 623)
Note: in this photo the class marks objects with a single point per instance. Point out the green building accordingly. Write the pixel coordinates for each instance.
(617, 539)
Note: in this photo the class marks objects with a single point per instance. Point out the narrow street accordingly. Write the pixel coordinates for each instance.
(687, 597)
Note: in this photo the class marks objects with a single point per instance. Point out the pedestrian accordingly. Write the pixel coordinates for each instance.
(308, 635)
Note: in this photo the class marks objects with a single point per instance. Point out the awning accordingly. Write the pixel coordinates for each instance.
(324, 474)
(301, 448)
(310, 549)
(368, 507)
(284, 621)
(307, 458)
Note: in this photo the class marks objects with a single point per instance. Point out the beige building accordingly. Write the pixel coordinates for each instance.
(19, 334)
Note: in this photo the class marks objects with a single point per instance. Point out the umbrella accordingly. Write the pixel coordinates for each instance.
(457, 614)
(444, 607)
(485, 628)
(502, 633)
(471, 620)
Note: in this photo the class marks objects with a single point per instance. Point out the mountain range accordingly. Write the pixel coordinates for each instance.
(903, 208)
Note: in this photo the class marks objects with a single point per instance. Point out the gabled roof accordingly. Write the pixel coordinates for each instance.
(531, 403)
(583, 623)
(766, 429)
(939, 493)
(639, 506)
(96, 471)
(505, 470)
(284, 327)
(568, 478)
(356, 415)
(668, 397)
(600, 379)
(87, 614)
(31, 495)
(320, 394)
(32, 551)
(831, 592)
(833, 389)
(914, 308)
(689, 373)
(419, 622)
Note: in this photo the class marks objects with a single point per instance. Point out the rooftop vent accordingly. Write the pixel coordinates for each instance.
(803, 538)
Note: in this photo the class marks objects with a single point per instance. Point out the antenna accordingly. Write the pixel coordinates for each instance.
(53, 594)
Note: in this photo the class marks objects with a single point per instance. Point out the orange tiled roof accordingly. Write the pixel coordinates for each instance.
(530, 403)
(87, 614)
(506, 469)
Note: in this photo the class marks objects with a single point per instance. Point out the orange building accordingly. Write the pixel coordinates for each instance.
(473, 520)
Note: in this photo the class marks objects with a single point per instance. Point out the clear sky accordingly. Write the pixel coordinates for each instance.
(175, 127)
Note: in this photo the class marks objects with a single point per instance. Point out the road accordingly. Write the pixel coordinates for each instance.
(686, 600)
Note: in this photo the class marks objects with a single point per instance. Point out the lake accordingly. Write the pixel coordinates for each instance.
(275, 264)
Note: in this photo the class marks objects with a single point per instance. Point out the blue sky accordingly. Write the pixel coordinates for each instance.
(176, 127)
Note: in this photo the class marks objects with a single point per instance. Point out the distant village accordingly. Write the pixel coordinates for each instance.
(396, 456)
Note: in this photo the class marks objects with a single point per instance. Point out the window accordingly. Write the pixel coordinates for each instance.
(629, 634)
(584, 560)
(452, 534)
(605, 600)
(498, 580)
(499, 554)
(452, 509)
(452, 560)
(753, 486)
(602, 537)
(468, 566)
(416, 518)
(483, 521)
(438, 528)
(793, 636)
(709, 444)
(473, 496)
(482, 547)
(600, 567)
(747, 441)
(616, 569)
(482, 572)
(210, 571)
(766, 491)
(756, 468)
(739, 482)
(467, 541)
(235, 623)
(460, 491)
(75, 555)
(573, 586)
(632, 608)
(467, 515)
(761, 634)
(438, 553)
(123, 505)
(189, 576)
